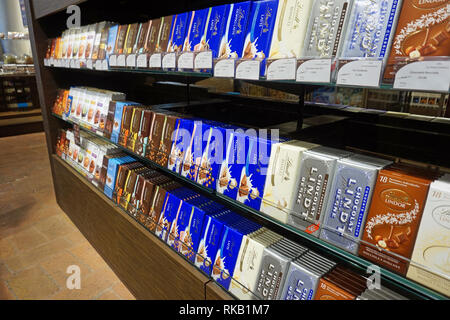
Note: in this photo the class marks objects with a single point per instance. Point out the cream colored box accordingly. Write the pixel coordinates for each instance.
(290, 28)
(282, 177)
(430, 261)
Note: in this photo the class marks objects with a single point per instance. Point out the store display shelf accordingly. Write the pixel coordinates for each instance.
(392, 278)
(291, 86)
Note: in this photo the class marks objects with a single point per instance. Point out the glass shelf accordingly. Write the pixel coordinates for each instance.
(277, 84)
(394, 279)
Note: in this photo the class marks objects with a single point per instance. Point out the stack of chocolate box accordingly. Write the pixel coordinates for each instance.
(274, 268)
(303, 276)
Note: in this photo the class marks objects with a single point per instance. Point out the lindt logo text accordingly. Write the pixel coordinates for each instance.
(428, 4)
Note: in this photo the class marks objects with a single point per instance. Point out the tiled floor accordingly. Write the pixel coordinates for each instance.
(38, 242)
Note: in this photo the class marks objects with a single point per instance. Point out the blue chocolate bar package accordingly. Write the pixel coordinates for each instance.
(180, 142)
(178, 31)
(232, 41)
(370, 29)
(216, 29)
(195, 39)
(253, 174)
(194, 151)
(171, 208)
(117, 124)
(111, 43)
(111, 173)
(209, 243)
(259, 31)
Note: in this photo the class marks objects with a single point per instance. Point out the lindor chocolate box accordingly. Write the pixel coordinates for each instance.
(178, 31)
(349, 201)
(195, 39)
(164, 34)
(394, 216)
(290, 28)
(370, 29)
(316, 176)
(231, 168)
(282, 177)
(422, 30)
(327, 24)
(216, 29)
(429, 261)
(260, 30)
(232, 42)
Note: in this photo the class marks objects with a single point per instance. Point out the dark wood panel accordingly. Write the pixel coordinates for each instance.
(214, 292)
(43, 8)
(146, 265)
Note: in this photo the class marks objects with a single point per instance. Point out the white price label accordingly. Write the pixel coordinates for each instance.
(98, 64)
(104, 66)
(121, 60)
(131, 60)
(141, 61)
(281, 69)
(314, 70)
(424, 75)
(113, 60)
(224, 68)
(67, 63)
(186, 60)
(169, 60)
(155, 60)
(364, 73)
(89, 64)
(248, 70)
(203, 60)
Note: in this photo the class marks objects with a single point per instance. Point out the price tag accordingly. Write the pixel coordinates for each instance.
(186, 60)
(82, 63)
(281, 69)
(169, 60)
(141, 61)
(248, 69)
(104, 65)
(57, 63)
(224, 68)
(131, 61)
(45, 62)
(67, 63)
(424, 75)
(121, 60)
(89, 64)
(314, 70)
(155, 60)
(364, 73)
(112, 60)
(97, 64)
(203, 60)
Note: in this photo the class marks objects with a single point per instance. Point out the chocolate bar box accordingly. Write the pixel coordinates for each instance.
(180, 142)
(164, 34)
(111, 174)
(130, 38)
(370, 29)
(143, 133)
(166, 140)
(156, 133)
(327, 24)
(233, 164)
(429, 261)
(134, 128)
(282, 177)
(195, 39)
(394, 216)
(194, 151)
(215, 29)
(114, 119)
(128, 112)
(120, 39)
(316, 176)
(151, 39)
(232, 42)
(178, 31)
(260, 30)
(290, 28)
(111, 42)
(422, 30)
(349, 201)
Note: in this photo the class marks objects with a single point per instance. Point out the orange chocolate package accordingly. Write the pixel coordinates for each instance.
(394, 217)
(423, 29)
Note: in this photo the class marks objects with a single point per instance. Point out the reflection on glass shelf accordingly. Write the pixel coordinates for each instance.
(330, 249)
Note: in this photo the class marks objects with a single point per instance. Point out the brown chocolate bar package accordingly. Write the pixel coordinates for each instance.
(129, 186)
(130, 38)
(142, 36)
(394, 217)
(158, 202)
(126, 125)
(102, 46)
(166, 140)
(423, 29)
(328, 290)
(164, 34)
(120, 40)
(122, 176)
(144, 133)
(110, 119)
(134, 128)
(159, 123)
(152, 36)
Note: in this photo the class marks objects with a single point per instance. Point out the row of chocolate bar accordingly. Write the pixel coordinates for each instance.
(365, 205)
(248, 260)
(276, 29)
